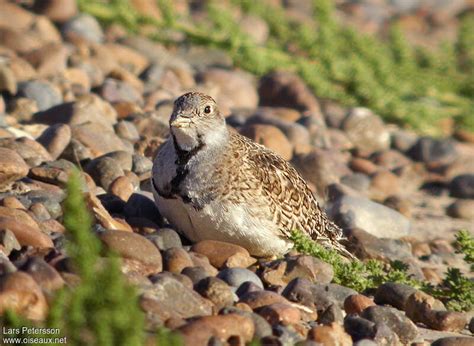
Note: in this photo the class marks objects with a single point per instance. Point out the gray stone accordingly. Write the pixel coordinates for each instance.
(394, 294)
(237, 276)
(139, 205)
(367, 246)
(165, 238)
(394, 319)
(462, 186)
(170, 298)
(372, 217)
(84, 26)
(196, 274)
(45, 95)
(104, 170)
(141, 164)
(433, 151)
(325, 295)
(366, 131)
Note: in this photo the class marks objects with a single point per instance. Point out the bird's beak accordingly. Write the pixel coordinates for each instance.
(180, 120)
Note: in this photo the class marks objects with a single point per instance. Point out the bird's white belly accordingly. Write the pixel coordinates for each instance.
(225, 222)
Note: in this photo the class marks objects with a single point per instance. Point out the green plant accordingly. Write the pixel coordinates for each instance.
(358, 275)
(465, 243)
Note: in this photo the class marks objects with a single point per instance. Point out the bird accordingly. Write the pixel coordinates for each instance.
(212, 183)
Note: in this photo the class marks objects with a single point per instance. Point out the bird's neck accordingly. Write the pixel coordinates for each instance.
(209, 142)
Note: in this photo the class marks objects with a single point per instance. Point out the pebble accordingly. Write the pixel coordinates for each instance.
(367, 246)
(127, 130)
(12, 167)
(135, 247)
(366, 131)
(357, 181)
(234, 327)
(257, 299)
(453, 341)
(270, 137)
(53, 172)
(372, 217)
(236, 88)
(141, 164)
(196, 273)
(237, 276)
(140, 205)
(216, 290)
(56, 10)
(333, 313)
(20, 293)
(86, 108)
(31, 151)
(462, 186)
(115, 91)
(321, 167)
(286, 89)
(104, 170)
(433, 152)
(462, 208)
(25, 233)
(280, 313)
(45, 275)
(44, 93)
(168, 297)
(108, 141)
(306, 267)
(394, 294)
(221, 254)
(121, 187)
(394, 319)
(83, 26)
(165, 238)
(332, 334)
(8, 242)
(176, 259)
(55, 139)
(356, 303)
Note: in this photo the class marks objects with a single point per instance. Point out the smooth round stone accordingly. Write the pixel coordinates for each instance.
(127, 130)
(462, 186)
(55, 139)
(433, 151)
(196, 274)
(462, 208)
(12, 167)
(357, 181)
(45, 95)
(141, 164)
(165, 238)
(84, 26)
(237, 276)
(104, 170)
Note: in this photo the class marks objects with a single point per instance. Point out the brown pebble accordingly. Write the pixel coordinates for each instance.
(257, 299)
(12, 202)
(19, 292)
(282, 313)
(176, 259)
(330, 335)
(198, 332)
(361, 165)
(356, 303)
(222, 254)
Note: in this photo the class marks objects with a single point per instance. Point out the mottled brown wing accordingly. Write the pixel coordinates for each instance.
(289, 198)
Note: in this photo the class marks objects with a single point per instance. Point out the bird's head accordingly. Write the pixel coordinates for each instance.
(196, 120)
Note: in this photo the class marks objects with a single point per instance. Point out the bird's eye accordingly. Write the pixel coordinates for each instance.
(207, 109)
